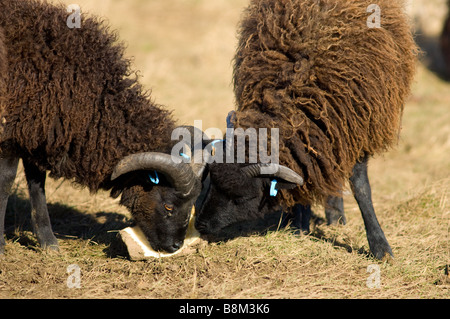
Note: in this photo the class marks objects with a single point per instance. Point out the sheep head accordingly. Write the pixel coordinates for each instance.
(160, 194)
(237, 193)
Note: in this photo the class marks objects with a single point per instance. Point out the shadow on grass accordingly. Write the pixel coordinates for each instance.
(259, 227)
(277, 221)
(67, 223)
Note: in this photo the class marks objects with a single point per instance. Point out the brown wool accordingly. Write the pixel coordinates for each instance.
(70, 102)
(333, 86)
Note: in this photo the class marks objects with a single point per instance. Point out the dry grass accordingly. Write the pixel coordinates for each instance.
(183, 49)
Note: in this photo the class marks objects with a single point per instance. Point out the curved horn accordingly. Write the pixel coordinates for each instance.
(280, 171)
(179, 175)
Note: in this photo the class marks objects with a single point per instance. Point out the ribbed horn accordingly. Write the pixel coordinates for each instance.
(281, 172)
(179, 175)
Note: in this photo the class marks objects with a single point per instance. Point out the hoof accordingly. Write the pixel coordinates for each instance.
(50, 246)
(383, 253)
(51, 249)
(47, 240)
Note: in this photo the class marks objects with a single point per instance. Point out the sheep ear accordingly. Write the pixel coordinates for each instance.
(118, 188)
(285, 185)
(273, 170)
(274, 186)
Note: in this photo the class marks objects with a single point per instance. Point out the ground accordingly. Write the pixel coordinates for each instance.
(184, 49)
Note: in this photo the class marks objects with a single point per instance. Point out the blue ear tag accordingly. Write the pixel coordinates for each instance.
(154, 180)
(273, 190)
(185, 156)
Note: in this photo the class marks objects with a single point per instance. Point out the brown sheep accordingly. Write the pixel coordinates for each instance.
(71, 105)
(334, 84)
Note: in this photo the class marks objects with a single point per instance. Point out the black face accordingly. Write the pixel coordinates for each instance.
(232, 197)
(159, 210)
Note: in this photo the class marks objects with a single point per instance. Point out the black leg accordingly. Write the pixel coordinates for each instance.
(39, 213)
(8, 170)
(334, 210)
(300, 217)
(362, 192)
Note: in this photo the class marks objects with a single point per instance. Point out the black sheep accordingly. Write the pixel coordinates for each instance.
(71, 105)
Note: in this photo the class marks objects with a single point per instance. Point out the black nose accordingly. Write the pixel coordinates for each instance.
(172, 248)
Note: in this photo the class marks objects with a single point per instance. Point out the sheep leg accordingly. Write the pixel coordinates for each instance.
(39, 213)
(361, 189)
(8, 170)
(334, 210)
(302, 216)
